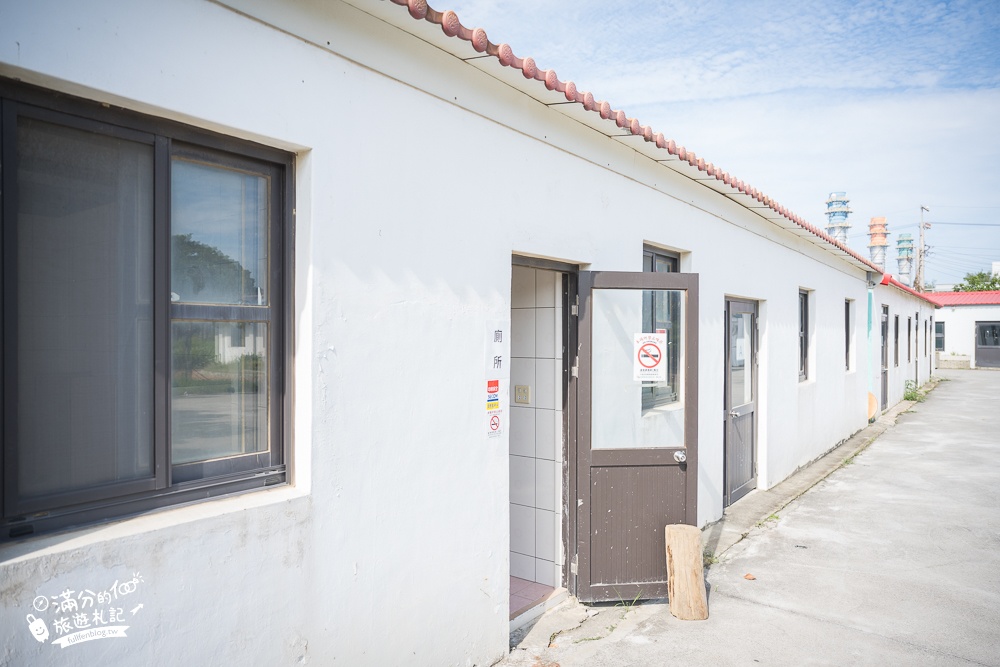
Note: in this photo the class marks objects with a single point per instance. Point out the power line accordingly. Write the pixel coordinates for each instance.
(967, 224)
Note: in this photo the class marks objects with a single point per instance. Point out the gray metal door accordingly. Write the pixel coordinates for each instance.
(637, 429)
(885, 357)
(988, 344)
(740, 400)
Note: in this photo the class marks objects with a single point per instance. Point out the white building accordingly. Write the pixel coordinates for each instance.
(967, 329)
(500, 317)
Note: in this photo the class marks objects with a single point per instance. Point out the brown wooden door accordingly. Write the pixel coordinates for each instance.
(740, 400)
(637, 428)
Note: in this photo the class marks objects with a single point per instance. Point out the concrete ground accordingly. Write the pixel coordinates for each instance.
(891, 559)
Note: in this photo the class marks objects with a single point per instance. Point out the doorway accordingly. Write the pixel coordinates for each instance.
(740, 400)
(885, 358)
(537, 438)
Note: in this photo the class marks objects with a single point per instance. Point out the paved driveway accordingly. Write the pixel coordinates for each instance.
(892, 560)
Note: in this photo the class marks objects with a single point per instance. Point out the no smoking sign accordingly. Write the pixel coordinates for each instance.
(649, 360)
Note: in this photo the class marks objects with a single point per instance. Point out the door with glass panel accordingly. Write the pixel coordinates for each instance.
(637, 443)
(740, 400)
(987, 344)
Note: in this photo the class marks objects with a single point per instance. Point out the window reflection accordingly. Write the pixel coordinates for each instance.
(219, 389)
(219, 243)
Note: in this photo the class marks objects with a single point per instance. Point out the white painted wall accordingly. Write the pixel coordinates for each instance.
(417, 178)
(918, 368)
(960, 327)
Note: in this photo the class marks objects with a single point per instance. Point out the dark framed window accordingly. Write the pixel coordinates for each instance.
(926, 336)
(987, 334)
(847, 334)
(895, 340)
(661, 313)
(803, 335)
(909, 339)
(145, 301)
(939, 336)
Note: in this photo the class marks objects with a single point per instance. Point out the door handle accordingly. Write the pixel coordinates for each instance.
(680, 456)
(733, 414)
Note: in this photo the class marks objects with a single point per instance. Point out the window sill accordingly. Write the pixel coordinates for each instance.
(165, 518)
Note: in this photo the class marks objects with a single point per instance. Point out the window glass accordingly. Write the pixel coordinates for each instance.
(803, 335)
(619, 360)
(988, 334)
(84, 271)
(939, 336)
(661, 313)
(219, 221)
(740, 356)
(219, 390)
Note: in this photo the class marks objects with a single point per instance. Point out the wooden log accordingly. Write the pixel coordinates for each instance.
(685, 573)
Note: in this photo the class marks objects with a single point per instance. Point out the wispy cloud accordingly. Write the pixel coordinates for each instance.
(894, 101)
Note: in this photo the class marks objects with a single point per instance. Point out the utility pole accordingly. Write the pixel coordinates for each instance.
(918, 284)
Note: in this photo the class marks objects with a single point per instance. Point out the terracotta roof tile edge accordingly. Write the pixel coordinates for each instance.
(452, 27)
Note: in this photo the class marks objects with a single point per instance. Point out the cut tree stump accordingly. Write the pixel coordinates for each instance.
(685, 573)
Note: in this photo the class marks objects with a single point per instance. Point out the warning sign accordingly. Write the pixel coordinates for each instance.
(649, 363)
(494, 411)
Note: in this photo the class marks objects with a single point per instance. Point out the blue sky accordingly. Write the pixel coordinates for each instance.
(896, 103)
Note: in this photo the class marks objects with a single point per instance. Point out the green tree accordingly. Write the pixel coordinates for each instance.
(978, 282)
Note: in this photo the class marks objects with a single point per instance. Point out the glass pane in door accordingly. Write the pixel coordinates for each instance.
(638, 366)
(740, 359)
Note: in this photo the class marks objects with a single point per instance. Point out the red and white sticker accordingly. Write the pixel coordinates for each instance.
(649, 363)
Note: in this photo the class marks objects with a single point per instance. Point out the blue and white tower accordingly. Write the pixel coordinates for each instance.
(904, 257)
(836, 216)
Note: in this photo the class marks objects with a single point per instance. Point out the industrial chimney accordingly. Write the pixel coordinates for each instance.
(877, 233)
(904, 257)
(836, 216)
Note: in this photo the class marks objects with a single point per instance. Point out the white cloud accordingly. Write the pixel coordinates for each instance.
(894, 101)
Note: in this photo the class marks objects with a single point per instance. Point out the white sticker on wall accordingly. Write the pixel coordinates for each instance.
(497, 349)
(649, 363)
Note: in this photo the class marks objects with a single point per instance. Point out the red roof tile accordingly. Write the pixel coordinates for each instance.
(965, 298)
(450, 24)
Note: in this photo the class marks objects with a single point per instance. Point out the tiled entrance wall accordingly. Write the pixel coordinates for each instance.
(536, 429)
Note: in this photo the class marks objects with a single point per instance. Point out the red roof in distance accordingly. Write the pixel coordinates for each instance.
(990, 298)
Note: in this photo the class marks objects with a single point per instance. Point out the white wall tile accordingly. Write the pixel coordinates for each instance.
(545, 484)
(545, 529)
(522, 480)
(522, 430)
(546, 572)
(557, 380)
(522, 332)
(522, 566)
(545, 333)
(560, 325)
(522, 371)
(560, 435)
(545, 385)
(522, 530)
(548, 288)
(522, 287)
(545, 433)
